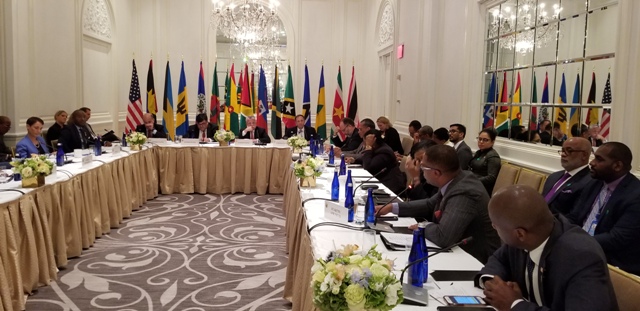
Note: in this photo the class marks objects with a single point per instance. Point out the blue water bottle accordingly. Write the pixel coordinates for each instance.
(312, 147)
(124, 139)
(343, 165)
(348, 192)
(370, 212)
(416, 272)
(97, 147)
(335, 187)
(59, 155)
(425, 250)
(332, 160)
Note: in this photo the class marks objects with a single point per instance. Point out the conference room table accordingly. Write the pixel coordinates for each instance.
(304, 247)
(41, 228)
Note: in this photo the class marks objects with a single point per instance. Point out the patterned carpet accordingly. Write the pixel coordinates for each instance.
(181, 252)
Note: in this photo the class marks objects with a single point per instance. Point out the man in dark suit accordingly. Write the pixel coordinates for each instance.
(203, 130)
(609, 208)
(352, 140)
(75, 135)
(457, 133)
(563, 188)
(545, 260)
(254, 132)
(353, 156)
(458, 210)
(300, 130)
(5, 152)
(149, 128)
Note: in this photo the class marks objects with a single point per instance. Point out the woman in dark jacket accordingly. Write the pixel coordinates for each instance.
(390, 135)
(377, 155)
(486, 163)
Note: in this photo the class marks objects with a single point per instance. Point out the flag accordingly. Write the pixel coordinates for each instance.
(240, 85)
(502, 116)
(182, 111)
(246, 109)
(545, 97)
(321, 114)
(227, 101)
(592, 113)
(234, 106)
(201, 97)
(254, 97)
(134, 108)
(516, 113)
(352, 103)
(152, 106)
(533, 123)
(276, 108)
(261, 120)
(306, 99)
(214, 108)
(289, 107)
(606, 112)
(167, 106)
(560, 112)
(488, 108)
(338, 108)
(574, 116)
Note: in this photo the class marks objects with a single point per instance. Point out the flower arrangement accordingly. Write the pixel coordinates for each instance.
(308, 167)
(135, 138)
(351, 281)
(33, 166)
(224, 136)
(297, 142)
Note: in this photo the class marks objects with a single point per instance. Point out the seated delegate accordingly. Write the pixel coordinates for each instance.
(32, 143)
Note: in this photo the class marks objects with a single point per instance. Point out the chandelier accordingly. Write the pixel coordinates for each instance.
(525, 26)
(246, 22)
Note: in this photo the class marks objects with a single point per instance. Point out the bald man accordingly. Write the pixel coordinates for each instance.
(546, 263)
(563, 188)
(149, 127)
(5, 151)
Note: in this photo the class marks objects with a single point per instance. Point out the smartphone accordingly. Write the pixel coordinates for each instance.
(367, 187)
(464, 300)
(465, 308)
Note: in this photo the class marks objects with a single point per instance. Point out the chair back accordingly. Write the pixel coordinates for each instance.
(54, 145)
(626, 286)
(531, 178)
(507, 176)
(407, 143)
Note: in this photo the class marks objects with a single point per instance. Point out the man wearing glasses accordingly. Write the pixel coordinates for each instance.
(457, 210)
(457, 132)
(563, 188)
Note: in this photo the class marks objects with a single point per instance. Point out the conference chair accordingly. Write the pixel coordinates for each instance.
(531, 178)
(626, 287)
(507, 177)
(407, 143)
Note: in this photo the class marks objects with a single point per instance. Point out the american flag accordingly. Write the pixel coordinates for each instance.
(134, 109)
(606, 113)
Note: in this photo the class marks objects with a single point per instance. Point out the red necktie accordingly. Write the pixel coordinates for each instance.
(203, 137)
(252, 136)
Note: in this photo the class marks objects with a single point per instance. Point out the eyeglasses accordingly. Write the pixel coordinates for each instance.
(482, 139)
(453, 131)
(425, 168)
(570, 151)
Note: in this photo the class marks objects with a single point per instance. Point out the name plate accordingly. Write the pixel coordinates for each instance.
(116, 149)
(335, 212)
(87, 159)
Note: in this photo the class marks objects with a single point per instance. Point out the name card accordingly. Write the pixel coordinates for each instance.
(87, 159)
(115, 150)
(335, 212)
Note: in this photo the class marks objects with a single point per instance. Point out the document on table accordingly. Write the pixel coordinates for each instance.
(404, 239)
(401, 222)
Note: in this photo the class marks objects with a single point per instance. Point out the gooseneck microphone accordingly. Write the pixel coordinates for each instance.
(369, 179)
(375, 219)
(464, 241)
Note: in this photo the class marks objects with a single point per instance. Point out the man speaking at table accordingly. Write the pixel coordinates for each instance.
(202, 130)
(458, 210)
(548, 261)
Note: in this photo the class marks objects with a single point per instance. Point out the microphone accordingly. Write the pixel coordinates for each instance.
(464, 241)
(369, 179)
(375, 221)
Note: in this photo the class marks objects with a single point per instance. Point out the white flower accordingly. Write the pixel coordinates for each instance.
(379, 270)
(308, 171)
(391, 293)
(26, 172)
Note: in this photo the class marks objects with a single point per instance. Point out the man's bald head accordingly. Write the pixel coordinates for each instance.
(576, 152)
(521, 216)
(149, 121)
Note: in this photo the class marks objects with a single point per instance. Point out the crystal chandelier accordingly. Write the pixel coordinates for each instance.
(246, 22)
(525, 26)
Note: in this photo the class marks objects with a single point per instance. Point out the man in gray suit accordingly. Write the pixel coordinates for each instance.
(457, 133)
(548, 261)
(458, 210)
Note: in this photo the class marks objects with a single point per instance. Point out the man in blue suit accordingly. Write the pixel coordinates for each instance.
(609, 210)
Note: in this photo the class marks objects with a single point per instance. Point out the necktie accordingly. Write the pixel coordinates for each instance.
(594, 217)
(149, 133)
(300, 133)
(252, 136)
(593, 142)
(556, 186)
(530, 266)
(203, 136)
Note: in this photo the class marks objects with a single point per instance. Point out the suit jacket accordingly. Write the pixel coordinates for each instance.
(70, 138)
(194, 131)
(350, 142)
(25, 148)
(573, 273)
(309, 132)
(158, 127)
(392, 138)
(618, 231)
(486, 165)
(53, 133)
(382, 157)
(259, 133)
(464, 155)
(460, 213)
(5, 152)
(568, 194)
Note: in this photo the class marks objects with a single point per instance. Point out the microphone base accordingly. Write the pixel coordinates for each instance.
(415, 296)
(379, 227)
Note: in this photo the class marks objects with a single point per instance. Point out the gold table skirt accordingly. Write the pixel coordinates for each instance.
(41, 229)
